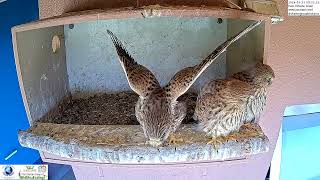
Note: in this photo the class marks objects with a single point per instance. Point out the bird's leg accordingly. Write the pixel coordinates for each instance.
(173, 140)
(217, 141)
(250, 130)
(233, 137)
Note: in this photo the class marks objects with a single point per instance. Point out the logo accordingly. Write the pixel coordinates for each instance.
(30, 168)
(8, 170)
(24, 172)
(42, 169)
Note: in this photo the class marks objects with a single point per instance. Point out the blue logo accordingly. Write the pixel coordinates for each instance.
(7, 170)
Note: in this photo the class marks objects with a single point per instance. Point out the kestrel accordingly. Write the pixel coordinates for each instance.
(158, 111)
(224, 105)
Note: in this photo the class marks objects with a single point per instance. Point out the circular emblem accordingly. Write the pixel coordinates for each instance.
(42, 169)
(7, 170)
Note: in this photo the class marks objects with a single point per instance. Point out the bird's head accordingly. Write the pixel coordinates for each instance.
(159, 117)
(262, 75)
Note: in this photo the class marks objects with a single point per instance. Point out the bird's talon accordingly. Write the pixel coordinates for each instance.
(173, 140)
(232, 137)
(216, 141)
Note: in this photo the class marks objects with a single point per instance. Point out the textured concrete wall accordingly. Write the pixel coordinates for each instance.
(248, 50)
(120, 144)
(164, 45)
(43, 77)
(49, 8)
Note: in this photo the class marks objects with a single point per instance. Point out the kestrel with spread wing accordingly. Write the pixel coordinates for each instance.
(158, 111)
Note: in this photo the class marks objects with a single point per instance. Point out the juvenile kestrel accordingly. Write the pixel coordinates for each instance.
(226, 104)
(157, 110)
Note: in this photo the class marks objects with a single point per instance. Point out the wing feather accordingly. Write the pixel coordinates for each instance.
(141, 80)
(183, 79)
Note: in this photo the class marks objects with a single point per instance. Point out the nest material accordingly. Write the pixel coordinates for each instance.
(106, 109)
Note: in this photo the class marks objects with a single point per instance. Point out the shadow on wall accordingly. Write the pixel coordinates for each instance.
(12, 113)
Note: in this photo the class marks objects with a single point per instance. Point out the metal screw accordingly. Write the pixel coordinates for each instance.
(71, 26)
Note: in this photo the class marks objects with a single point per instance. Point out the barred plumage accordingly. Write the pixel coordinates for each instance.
(224, 105)
(157, 109)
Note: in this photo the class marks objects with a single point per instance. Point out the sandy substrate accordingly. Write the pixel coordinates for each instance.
(105, 109)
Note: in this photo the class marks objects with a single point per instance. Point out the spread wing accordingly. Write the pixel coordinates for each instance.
(140, 79)
(183, 79)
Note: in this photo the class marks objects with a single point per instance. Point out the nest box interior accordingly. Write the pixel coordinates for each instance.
(77, 98)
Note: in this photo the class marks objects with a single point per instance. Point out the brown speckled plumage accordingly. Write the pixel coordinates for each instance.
(224, 105)
(157, 109)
